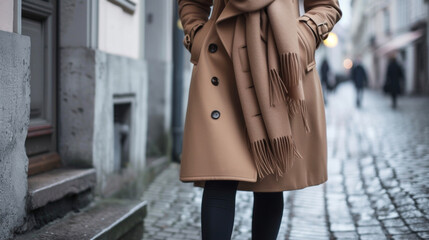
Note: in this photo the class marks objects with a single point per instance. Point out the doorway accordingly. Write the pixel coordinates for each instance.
(39, 22)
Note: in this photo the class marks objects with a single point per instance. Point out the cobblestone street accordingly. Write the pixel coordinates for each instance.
(378, 186)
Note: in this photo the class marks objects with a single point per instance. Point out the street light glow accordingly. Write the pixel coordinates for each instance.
(179, 24)
(331, 41)
(348, 63)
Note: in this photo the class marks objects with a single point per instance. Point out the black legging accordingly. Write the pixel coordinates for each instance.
(218, 210)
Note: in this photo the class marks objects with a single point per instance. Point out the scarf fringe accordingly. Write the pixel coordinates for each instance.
(285, 151)
(263, 157)
(277, 160)
(278, 90)
(299, 106)
(290, 68)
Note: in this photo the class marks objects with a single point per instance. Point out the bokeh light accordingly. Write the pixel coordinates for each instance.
(348, 63)
(331, 41)
(179, 24)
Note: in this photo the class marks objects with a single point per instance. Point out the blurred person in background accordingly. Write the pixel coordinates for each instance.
(324, 75)
(394, 79)
(360, 80)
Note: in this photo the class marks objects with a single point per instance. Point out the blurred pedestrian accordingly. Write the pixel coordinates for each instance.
(324, 76)
(360, 80)
(253, 74)
(394, 79)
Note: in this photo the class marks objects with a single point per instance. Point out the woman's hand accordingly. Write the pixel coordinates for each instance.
(193, 15)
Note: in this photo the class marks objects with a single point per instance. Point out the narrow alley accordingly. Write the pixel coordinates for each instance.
(378, 166)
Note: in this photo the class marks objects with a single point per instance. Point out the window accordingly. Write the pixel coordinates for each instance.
(122, 131)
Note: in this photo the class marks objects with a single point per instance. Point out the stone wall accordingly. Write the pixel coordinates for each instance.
(14, 120)
(91, 81)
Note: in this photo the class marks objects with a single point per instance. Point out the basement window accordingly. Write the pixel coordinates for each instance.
(122, 129)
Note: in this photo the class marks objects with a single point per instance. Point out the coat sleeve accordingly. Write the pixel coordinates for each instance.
(365, 76)
(193, 14)
(321, 16)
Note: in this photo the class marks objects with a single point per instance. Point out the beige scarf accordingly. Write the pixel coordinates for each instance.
(265, 32)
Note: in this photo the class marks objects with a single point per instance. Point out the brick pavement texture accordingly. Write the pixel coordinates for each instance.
(378, 184)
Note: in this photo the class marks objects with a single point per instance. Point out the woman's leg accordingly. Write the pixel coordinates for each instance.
(267, 215)
(218, 209)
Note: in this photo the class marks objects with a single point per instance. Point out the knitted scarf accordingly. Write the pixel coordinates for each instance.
(271, 94)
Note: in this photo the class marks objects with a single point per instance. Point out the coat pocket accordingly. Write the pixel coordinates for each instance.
(308, 43)
(197, 43)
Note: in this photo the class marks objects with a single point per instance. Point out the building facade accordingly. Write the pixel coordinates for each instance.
(77, 119)
(384, 26)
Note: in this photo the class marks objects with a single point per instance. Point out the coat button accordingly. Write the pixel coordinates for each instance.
(215, 81)
(212, 47)
(215, 114)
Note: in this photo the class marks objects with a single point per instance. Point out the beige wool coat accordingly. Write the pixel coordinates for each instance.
(214, 140)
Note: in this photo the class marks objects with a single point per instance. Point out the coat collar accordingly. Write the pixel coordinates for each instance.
(224, 30)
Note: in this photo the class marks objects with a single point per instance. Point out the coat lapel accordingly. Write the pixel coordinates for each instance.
(225, 26)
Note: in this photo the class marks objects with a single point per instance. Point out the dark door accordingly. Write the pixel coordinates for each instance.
(40, 23)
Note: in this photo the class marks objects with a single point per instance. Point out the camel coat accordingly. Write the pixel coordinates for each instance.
(214, 140)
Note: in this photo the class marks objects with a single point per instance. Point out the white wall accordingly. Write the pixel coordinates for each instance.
(6, 15)
(119, 31)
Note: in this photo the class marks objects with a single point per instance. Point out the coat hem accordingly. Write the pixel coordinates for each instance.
(296, 187)
(240, 187)
(217, 177)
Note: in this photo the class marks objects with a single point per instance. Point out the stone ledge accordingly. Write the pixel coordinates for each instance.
(54, 185)
(125, 223)
(106, 219)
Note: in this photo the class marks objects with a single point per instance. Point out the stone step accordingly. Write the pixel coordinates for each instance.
(53, 194)
(104, 219)
(53, 185)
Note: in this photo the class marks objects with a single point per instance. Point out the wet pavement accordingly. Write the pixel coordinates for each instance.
(378, 185)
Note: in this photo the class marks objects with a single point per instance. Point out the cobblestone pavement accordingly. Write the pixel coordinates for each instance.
(378, 186)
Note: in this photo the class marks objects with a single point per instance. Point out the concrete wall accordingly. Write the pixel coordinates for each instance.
(14, 120)
(119, 31)
(90, 82)
(100, 57)
(120, 77)
(76, 106)
(6, 15)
